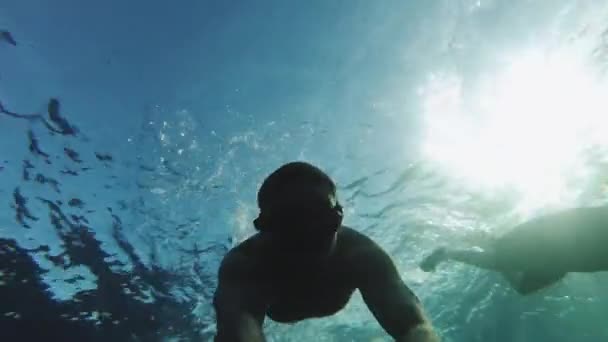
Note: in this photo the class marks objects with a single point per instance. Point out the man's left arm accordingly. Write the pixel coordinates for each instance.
(394, 305)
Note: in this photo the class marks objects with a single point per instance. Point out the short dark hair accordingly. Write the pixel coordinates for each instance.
(289, 175)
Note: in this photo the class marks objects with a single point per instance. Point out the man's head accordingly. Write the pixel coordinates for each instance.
(298, 205)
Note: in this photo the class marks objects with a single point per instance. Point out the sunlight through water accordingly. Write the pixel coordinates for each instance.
(525, 127)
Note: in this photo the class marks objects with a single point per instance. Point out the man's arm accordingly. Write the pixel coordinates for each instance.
(238, 305)
(394, 305)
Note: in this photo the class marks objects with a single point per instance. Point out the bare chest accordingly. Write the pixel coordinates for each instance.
(297, 298)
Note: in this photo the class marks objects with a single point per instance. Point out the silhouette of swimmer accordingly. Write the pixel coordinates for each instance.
(540, 252)
(303, 263)
(8, 37)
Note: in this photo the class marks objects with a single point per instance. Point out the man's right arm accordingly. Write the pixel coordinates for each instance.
(394, 305)
(238, 305)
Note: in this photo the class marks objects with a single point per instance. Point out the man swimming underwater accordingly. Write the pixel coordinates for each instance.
(304, 264)
(539, 252)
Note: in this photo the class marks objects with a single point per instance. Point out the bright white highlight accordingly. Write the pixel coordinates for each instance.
(526, 127)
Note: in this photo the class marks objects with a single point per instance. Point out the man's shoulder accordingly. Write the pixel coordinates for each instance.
(357, 246)
(241, 259)
(353, 238)
(369, 263)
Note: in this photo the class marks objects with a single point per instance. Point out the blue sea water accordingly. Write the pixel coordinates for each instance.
(443, 122)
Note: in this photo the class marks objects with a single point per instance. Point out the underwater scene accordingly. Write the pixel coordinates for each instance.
(464, 142)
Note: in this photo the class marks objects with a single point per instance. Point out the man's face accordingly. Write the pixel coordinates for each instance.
(306, 221)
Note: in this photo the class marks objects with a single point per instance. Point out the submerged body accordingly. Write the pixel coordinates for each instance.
(288, 290)
(573, 240)
(293, 291)
(304, 264)
(541, 251)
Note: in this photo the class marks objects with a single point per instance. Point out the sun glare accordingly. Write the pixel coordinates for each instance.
(524, 127)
